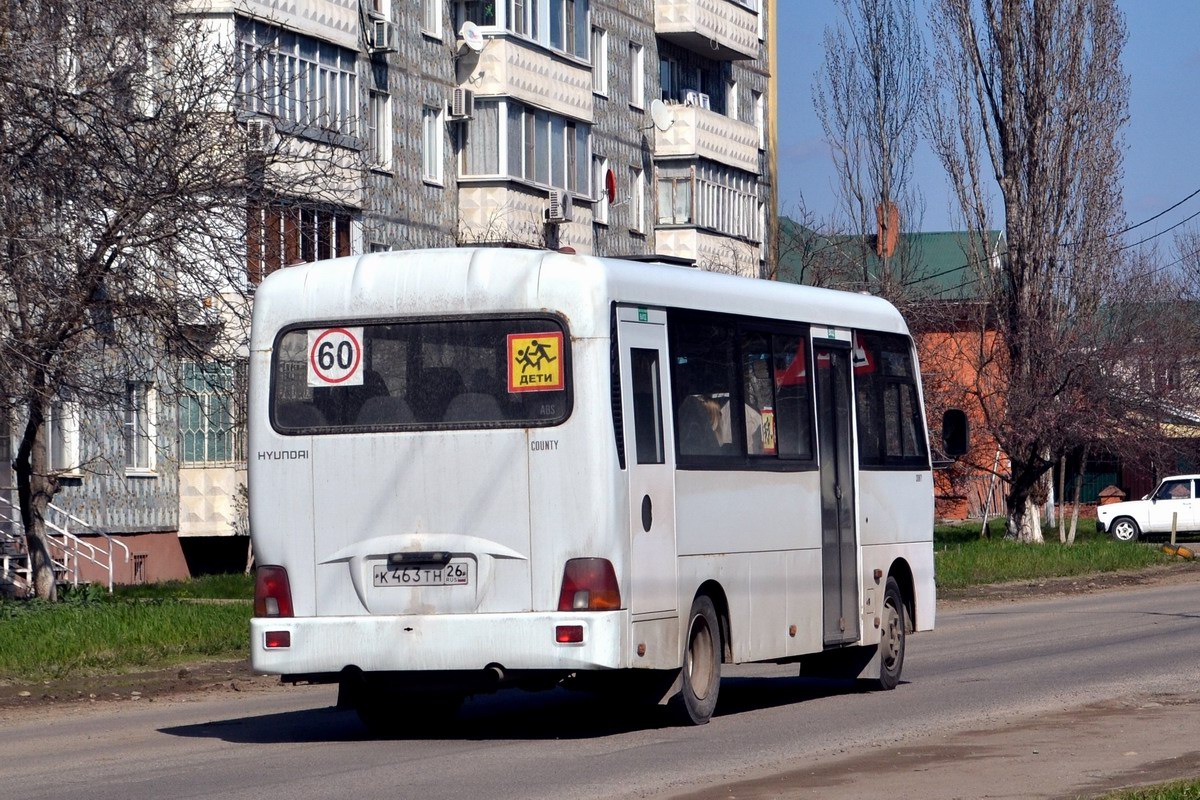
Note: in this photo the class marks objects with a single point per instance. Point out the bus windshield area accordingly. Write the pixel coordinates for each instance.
(415, 375)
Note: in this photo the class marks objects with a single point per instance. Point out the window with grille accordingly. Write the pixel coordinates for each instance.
(209, 424)
(139, 567)
(280, 233)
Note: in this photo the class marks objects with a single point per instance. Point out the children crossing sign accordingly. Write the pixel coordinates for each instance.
(535, 362)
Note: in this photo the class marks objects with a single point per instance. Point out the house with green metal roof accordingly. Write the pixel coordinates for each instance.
(934, 266)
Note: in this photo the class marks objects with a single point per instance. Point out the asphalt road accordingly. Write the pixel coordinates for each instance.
(1046, 698)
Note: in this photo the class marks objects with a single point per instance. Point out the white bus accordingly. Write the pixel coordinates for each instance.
(476, 468)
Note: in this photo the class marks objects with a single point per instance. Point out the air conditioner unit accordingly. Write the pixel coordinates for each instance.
(462, 104)
(260, 135)
(691, 98)
(382, 37)
(560, 208)
(703, 100)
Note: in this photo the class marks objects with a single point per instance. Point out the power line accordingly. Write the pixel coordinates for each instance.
(1160, 233)
(1159, 214)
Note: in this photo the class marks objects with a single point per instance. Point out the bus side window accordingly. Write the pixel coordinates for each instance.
(793, 407)
(647, 406)
(759, 395)
(703, 384)
(891, 427)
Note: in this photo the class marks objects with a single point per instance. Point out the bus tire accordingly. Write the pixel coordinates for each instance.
(701, 674)
(892, 636)
(389, 714)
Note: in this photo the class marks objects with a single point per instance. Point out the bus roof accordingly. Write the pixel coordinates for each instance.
(482, 280)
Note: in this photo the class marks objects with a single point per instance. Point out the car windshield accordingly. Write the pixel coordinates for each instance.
(450, 374)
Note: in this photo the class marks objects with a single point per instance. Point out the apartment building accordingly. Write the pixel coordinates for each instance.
(611, 127)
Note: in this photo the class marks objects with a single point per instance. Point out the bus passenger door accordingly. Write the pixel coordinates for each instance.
(649, 459)
(839, 541)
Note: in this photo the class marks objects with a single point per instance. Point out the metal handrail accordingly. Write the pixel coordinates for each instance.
(72, 547)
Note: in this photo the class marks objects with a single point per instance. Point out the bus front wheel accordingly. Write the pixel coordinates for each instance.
(891, 640)
(701, 676)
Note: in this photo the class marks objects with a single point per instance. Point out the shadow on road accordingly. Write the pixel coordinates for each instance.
(518, 715)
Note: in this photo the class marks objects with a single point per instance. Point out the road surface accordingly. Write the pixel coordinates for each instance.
(1060, 697)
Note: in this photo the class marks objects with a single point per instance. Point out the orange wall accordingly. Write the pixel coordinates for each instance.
(163, 558)
(958, 371)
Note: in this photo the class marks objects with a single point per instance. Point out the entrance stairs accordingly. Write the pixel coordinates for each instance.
(73, 542)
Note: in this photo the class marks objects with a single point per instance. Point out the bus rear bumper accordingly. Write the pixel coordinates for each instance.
(437, 643)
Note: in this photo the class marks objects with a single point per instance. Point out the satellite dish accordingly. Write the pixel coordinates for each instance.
(472, 38)
(660, 115)
(610, 186)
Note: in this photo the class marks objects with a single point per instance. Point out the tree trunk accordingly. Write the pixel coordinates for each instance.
(1062, 499)
(1024, 519)
(1078, 488)
(35, 490)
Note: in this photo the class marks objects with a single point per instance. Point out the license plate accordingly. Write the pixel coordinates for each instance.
(456, 573)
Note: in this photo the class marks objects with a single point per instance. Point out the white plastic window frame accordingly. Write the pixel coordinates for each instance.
(599, 45)
(62, 434)
(431, 18)
(637, 191)
(379, 118)
(637, 75)
(140, 426)
(433, 148)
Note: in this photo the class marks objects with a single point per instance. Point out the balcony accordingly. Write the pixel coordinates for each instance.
(699, 133)
(722, 30)
(495, 213)
(521, 70)
(710, 251)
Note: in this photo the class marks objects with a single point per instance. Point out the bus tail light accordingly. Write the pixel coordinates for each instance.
(589, 584)
(272, 592)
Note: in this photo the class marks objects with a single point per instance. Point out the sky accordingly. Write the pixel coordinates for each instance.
(1162, 137)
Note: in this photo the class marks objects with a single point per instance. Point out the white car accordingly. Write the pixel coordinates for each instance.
(1172, 500)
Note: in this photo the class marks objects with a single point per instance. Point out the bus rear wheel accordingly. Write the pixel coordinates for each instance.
(701, 677)
(390, 713)
(892, 636)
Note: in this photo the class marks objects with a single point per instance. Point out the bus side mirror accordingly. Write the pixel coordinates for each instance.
(956, 432)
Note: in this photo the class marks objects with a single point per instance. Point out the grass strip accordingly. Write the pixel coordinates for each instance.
(1183, 790)
(959, 565)
(48, 641)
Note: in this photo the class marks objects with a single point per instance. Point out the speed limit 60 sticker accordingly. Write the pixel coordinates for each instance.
(335, 357)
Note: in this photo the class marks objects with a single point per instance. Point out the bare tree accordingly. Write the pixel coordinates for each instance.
(125, 185)
(1033, 98)
(869, 96)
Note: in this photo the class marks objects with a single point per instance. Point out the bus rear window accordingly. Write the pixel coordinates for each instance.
(450, 374)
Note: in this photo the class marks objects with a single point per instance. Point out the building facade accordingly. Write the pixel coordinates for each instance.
(610, 127)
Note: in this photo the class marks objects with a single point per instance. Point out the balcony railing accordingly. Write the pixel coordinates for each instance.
(503, 212)
(698, 132)
(722, 30)
(518, 69)
(709, 251)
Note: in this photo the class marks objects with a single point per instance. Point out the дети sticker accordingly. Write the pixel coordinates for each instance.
(535, 362)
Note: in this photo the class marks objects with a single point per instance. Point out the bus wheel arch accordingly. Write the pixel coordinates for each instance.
(901, 572)
(716, 594)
